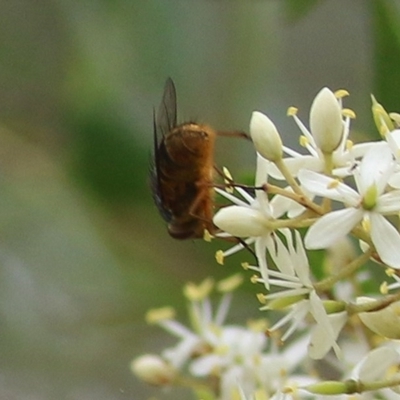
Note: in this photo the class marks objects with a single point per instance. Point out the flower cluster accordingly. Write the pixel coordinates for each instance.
(340, 308)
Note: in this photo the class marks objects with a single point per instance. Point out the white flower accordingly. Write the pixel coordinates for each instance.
(294, 278)
(233, 356)
(250, 219)
(376, 365)
(204, 323)
(345, 154)
(369, 203)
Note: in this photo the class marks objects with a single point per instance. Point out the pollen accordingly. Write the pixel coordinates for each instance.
(349, 144)
(333, 184)
(303, 141)
(384, 288)
(395, 118)
(291, 111)
(220, 256)
(347, 112)
(207, 237)
(230, 284)
(390, 272)
(261, 298)
(339, 94)
(155, 315)
(198, 292)
(258, 325)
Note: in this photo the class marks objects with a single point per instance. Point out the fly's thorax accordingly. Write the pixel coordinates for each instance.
(191, 145)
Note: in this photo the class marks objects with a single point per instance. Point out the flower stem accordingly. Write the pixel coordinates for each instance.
(345, 272)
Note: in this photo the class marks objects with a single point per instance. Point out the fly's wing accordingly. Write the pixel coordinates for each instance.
(166, 116)
(163, 122)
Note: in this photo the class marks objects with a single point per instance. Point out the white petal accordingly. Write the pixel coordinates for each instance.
(348, 157)
(262, 169)
(327, 329)
(325, 186)
(241, 221)
(331, 227)
(375, 168)
(386, 240)
(394, 180)
(389, 202)
(301, 265)
(374, 366)
(393, 139)
(261, 178)
(259, 246)
(281, 257)
(203, 366)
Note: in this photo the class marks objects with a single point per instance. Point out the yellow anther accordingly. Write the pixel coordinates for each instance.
(348, 112)
(384, 288)
(339, 94)
(395, 118)
(159, 314)
(291, 111)
(349, 144)
(195, 292)
(245, 265)
(258, 325)
(390, 272)
(261, 298)
(219, 256)
(207, 236)
(230, 284)
(303, 141)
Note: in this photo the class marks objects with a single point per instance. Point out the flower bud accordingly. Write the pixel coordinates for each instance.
(382, 119)
(153, 369)
(326, 121)
(241, 221)
(265, 137)
(328, 387)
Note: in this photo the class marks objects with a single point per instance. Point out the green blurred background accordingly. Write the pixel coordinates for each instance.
(83, 250)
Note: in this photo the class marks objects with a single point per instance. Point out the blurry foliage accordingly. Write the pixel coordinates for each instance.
(295, 9)
(386, 25)
(108, 157)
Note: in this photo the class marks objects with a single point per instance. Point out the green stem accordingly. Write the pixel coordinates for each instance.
(345, 272)
(300, 198)
(373, 305)
(289, 177)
